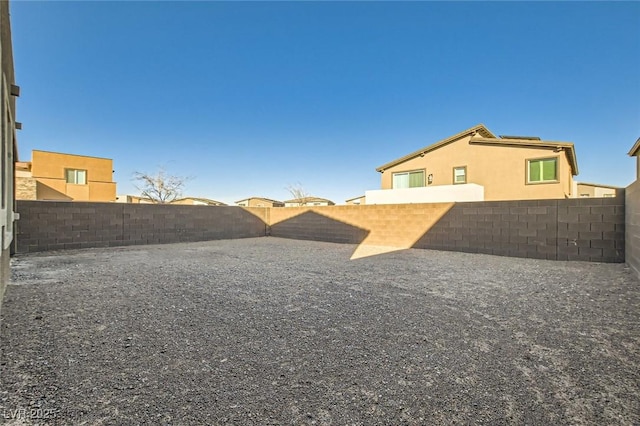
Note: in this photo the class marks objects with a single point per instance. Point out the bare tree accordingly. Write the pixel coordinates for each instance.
(160, 187)
(298, 193)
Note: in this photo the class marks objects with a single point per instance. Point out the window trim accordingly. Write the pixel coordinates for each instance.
(454, 175)
(541, 182)
(66, 176)
(424, 177)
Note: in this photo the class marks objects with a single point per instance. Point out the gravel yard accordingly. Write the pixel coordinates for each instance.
(276, 331)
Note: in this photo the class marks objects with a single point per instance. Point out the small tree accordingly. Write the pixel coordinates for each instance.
(298, 192)
(160, 187)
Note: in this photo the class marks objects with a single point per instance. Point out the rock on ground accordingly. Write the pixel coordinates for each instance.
(275, 331)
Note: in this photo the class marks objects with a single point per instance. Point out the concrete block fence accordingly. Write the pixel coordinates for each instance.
(46, 225)
(591, 229)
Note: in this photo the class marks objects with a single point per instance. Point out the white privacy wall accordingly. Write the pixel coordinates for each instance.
(428, 194)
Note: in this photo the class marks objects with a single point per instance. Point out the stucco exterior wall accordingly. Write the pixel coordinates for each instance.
(501, 170)
(260, 202)
(590, 190)
(427, 194)
(48, 168)
(632, 228)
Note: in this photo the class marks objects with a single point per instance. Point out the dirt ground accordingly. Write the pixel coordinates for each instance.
(275, 331)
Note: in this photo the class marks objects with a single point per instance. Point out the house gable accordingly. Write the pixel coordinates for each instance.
(479, 129)
(635, 150)
(501, 165)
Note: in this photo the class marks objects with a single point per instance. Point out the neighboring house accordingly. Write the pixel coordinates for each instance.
(632, 216)
(65, 177)
(190, 201)
(196, 201)
(308, 201)
(492, 167)
(259, 202)
(133, 199)
(584, 189)
(635, 152)
(356, 200)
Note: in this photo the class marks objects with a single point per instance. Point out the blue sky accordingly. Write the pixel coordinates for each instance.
(250, 97)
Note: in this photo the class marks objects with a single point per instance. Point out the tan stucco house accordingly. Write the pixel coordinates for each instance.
(308, 201)
(197, 201)
(133, 199)
(596, 190)
(65, 177)
(259, 202)
(635, 152)
(188, 201)
(495, 167)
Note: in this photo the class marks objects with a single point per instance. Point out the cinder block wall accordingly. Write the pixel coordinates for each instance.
(589, 229)
(396, 225)
(632, 230)
(46, 225)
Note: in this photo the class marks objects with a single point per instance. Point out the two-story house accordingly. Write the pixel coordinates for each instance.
(259, 202)
(308, 201)
(492, 167)
(65, 177)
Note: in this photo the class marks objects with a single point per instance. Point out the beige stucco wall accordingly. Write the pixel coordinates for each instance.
(52, 165)
(259, 202)
(48, 168)
(184, 201)
(191, 202)
(587, 190)
(501, 170)
(309, 204)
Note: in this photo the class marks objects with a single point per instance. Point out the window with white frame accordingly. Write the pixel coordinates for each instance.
(79, 177)
(460, 175)
(542, 170)
(413, 179)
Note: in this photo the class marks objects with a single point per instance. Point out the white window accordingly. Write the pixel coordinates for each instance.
(412, 179)
(460, 175)
(76, 176)
(542, 170)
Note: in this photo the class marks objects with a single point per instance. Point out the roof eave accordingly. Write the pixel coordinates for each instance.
(568, 147)
(480, 128)
(635, 150)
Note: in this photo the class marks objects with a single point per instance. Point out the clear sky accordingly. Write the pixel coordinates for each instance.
(249, 97)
